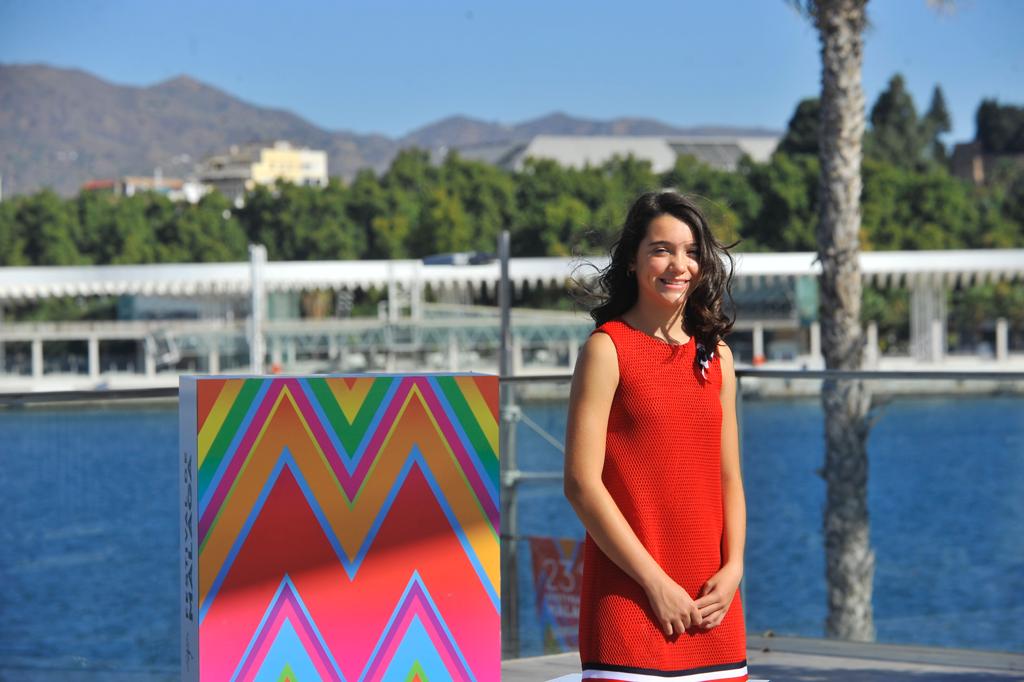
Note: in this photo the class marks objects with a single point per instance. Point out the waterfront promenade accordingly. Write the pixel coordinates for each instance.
(793, 659)
(776, 659)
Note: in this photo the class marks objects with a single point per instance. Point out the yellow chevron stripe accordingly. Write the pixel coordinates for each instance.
(219, 411)
(350, 399)
(482, 412)
(350, 521)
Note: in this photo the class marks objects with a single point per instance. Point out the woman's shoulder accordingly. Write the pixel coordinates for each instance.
(724, 353)
(598, 360)
(726, 367)
(610, 327)
(601, 342)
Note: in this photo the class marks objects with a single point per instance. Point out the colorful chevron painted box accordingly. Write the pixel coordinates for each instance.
(340, 528)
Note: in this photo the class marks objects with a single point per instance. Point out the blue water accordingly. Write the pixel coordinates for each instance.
(88, 525)
(90, 538)
(946, 499)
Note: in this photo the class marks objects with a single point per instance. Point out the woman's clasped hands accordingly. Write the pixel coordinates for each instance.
(676, 612)
(715, 596)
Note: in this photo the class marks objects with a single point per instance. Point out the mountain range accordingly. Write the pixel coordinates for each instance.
(61, 127)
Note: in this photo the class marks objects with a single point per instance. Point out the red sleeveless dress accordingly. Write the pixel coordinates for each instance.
(663, 469)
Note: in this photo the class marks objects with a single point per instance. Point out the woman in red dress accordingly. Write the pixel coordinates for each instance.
(652, 458)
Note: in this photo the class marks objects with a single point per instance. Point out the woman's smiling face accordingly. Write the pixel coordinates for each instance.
(667, 262)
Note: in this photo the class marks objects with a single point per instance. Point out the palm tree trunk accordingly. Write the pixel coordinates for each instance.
(849, 560)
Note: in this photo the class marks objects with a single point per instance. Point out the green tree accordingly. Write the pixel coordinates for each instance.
(911, 210)
(936, 122)
(603, 195)
(285, 218)
(207, 232)
(896, 135)
(131, 238)
(391, 233)
(787, 219)
(407, 185)
(95, 218)
(995, 229)
(161, 218)
(449, 222)
(410, 172)
(12, 238)
(973, 308)
(728, 199)
(1014, 199)
(803, 129)
(1000, 128)
(630, 175)
(367, 203)
(540, 183)
(334, 235)
(566, 219)
(48, 230)
(261, 220)
(487, 194)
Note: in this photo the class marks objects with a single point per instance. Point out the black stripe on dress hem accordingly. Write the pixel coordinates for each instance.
(663, 673)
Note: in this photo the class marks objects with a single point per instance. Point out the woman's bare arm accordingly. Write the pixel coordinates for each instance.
(733, 499)
(717, 593)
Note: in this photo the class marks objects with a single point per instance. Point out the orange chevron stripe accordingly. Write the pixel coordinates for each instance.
(350, 521)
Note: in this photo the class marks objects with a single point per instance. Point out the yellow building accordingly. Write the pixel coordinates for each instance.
(240, 170)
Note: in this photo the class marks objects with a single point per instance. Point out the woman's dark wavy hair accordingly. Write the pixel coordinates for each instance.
(704, 317)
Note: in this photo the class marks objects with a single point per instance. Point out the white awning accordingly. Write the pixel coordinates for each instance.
(880, 268)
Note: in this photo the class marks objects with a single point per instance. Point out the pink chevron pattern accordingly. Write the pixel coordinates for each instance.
(287, 608)
(342, 528)
(416, 603)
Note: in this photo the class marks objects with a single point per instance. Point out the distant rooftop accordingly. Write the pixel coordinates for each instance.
(578, 151)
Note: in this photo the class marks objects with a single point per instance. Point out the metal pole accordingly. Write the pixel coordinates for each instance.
(37, 358)
(257, 349)
(507, 459)
(505, 303)
(739, 443)
(1002, 340)
(3, 352)
(94, 357)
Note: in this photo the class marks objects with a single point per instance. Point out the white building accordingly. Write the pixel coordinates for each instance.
(244, 167)
(577, 151)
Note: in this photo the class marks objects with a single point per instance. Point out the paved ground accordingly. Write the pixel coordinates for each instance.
(776, 659)
(798, 660)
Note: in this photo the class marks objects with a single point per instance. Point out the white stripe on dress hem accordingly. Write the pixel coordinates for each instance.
(640, 677)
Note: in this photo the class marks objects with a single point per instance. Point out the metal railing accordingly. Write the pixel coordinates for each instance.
(513, 417)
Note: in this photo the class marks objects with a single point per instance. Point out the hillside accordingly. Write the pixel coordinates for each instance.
(62, 127)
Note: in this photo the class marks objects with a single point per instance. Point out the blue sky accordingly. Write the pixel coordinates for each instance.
(390, 66)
